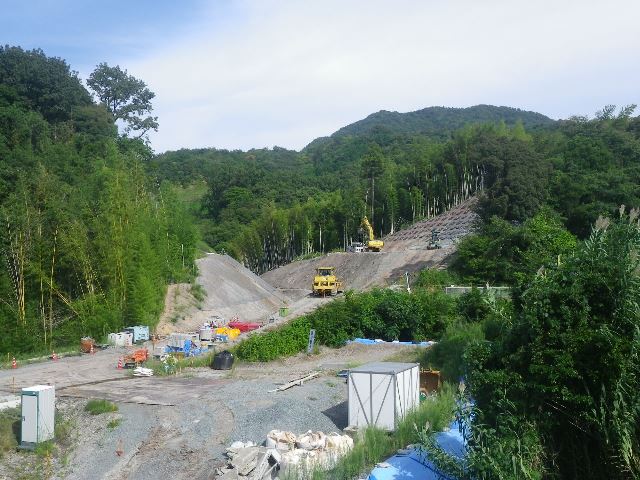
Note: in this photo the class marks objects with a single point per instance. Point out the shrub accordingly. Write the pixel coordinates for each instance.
(377, 314)
(447, 354)
(284, 341)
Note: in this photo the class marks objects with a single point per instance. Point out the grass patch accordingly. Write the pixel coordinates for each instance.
(407, 355)
(436, 410)
(65, 430)
(175, 365)
(115, 423)
(9, 428)
(45, 449)
(39, 355)
(96, 407)
(198, 291)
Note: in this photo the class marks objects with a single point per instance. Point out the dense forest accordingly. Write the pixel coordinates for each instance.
(269, 206)
(88, 241)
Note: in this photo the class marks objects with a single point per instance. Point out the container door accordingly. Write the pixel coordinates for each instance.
(382, 401)
(29, 418)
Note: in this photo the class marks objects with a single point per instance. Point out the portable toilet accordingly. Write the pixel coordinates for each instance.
(382, 393)
(38, 415)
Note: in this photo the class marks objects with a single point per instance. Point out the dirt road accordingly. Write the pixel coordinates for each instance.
(178, 426)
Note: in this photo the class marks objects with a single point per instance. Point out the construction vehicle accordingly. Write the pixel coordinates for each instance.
(136, 358)
(434, 244)
(325, 282)
(373, 245)
(356, 247)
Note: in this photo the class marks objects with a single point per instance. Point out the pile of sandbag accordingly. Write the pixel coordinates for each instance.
(285, 453)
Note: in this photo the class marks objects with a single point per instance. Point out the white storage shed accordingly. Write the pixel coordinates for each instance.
(38, 415)
(381, 393)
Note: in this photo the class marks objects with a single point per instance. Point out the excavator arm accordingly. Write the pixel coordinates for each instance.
(373, 244)
(367, 225)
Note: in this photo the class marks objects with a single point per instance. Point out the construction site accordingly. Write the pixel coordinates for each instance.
(182, 425)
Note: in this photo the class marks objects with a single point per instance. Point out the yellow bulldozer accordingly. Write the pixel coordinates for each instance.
(325, 282)
(373, 245)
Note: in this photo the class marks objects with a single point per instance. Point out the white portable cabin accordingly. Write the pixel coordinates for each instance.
(120, 339)
(382, 393)
(38, 415)
(140, 333)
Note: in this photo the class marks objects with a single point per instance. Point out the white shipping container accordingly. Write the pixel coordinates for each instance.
(38, 414)
(382, 393)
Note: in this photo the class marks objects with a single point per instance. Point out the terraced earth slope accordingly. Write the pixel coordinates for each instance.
(404, 252)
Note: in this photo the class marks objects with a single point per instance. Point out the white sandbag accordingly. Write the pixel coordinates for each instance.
(280, 440)
(311, 440)
(339, 443)
(300, 463)
(291, 461)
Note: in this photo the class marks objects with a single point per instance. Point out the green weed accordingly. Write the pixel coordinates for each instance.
(115, 423)
(96, 407)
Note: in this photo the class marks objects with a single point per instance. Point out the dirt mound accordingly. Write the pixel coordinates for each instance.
(234, 290)
(231, 290)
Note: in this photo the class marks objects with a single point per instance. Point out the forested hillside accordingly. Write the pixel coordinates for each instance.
(267, 207)
(441, 122)
(87, 241)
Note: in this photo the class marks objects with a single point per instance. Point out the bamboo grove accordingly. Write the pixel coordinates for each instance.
(87, 241)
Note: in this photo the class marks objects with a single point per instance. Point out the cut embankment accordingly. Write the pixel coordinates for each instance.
(229, 289)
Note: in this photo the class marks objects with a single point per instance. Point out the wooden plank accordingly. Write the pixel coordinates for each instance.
(294, 383)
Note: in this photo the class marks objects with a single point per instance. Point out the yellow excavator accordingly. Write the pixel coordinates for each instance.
(373, 245)
(325, 282)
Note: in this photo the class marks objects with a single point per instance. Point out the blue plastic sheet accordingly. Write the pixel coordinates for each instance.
(369, 341)
(414, 465)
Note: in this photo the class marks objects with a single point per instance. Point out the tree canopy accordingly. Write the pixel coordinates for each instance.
(126, 97)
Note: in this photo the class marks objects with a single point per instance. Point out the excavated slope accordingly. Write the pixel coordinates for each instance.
(404, 252)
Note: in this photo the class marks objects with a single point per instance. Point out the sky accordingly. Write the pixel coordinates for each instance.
(259, 73)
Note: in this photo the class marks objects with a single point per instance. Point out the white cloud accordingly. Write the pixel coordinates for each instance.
(285, 72)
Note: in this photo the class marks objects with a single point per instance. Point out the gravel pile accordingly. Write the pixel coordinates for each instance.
(316, 405)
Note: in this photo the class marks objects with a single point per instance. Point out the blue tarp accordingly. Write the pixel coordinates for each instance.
(369, 341)
(413, 465)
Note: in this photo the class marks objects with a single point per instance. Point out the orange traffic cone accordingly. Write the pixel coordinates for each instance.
(54, 357)
(14, 364)
(119, 367)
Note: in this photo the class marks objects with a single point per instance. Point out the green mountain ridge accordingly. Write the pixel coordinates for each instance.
(442, 120)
